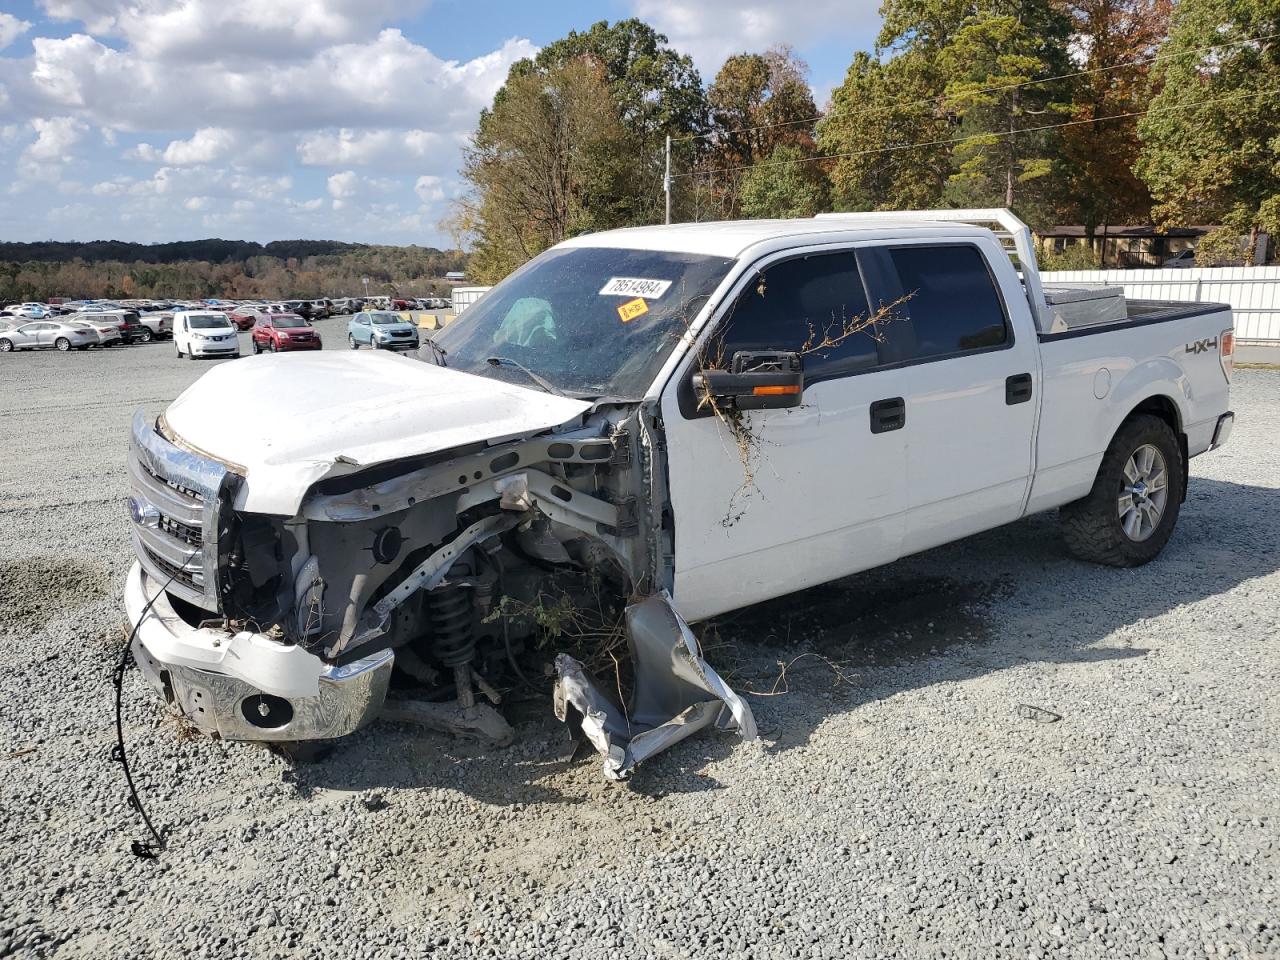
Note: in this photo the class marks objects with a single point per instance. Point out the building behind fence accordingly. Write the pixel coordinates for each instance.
(1253, 292)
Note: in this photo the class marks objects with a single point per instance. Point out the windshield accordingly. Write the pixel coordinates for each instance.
(594, 321)
(208, 321)
(386, 318)
(288, 323)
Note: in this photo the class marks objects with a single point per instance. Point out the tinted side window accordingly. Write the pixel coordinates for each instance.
(794, 305)
(952, 300)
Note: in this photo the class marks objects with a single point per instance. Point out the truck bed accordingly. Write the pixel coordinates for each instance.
(1138, 313)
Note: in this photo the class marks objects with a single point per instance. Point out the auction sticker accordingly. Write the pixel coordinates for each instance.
(634, 287)
(632, 309)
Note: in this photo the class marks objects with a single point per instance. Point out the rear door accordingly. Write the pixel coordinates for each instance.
(798, 496)
(968, 380)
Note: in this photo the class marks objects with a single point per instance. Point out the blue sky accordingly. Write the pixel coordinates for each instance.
(155, 120)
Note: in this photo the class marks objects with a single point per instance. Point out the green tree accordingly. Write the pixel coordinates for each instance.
(785, 184)
(1098, 185)
(879, 118)
(657, 93)
(1211, 141)
(990, 62)
(759, 103)
(548, 161)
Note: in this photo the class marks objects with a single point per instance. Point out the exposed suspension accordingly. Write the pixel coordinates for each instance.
(453, 639)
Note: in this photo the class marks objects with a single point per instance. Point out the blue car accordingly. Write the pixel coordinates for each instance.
(381, 330)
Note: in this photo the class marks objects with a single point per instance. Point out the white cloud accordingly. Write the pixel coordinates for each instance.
(386, 149)
(429, 189)
(712, 30)
(183, 29)
(207, 145)
(44, 157)
(11, 28)
(343, 187)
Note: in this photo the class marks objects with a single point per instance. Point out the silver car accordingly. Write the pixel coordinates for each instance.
(47, 335)
(108, 332)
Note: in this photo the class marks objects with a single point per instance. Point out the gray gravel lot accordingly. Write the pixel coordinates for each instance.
(898, 804)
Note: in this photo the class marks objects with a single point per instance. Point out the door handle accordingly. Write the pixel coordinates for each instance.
(890, 414)
(1017, 388)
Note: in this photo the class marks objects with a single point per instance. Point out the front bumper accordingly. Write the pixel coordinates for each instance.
(246, 686)
(222, 348)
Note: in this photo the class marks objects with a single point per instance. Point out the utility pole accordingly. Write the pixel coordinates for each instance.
(666, 179)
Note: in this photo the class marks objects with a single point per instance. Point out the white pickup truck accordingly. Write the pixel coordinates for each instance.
(638, 429)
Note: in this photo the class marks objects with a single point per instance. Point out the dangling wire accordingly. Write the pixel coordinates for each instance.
(143, 849)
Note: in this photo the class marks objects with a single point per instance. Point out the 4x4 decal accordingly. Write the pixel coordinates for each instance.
(1200, 346)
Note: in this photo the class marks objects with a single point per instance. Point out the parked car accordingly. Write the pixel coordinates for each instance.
(283, 332)
(245, 317)
(47, 335)
(1182, 260)
(157, 326)
(204, 333)
(106, 330)
(381, 330)
(29, 311)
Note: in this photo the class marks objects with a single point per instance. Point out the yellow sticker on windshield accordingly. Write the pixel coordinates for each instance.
(632, 309)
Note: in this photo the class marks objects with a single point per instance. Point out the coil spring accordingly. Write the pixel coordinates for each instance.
(453, 640)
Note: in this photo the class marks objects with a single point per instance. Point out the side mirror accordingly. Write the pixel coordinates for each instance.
(754, 381)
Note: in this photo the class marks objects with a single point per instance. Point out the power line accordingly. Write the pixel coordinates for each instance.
(995, 89)
(989, 135)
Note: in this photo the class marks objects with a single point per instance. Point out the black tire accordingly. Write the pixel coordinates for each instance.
(1092, 526)
(63, 344)
(146, 336)
(352, 342)
(257, 348)
(6, 346)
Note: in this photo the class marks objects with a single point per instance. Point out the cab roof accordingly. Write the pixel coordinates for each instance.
(733, 238)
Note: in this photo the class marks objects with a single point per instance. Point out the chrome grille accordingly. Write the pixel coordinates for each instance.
(176, 494)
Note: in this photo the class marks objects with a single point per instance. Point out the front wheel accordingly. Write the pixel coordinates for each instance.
(257, 347)
(63, 344)
(351, 342)
(1130, 513)
(6, 346)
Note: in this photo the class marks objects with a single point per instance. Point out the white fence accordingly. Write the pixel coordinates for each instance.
(1253, 292)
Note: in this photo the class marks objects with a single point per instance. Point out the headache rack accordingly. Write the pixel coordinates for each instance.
(1014, 235)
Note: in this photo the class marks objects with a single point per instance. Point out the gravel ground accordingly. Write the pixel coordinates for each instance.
(898, 804)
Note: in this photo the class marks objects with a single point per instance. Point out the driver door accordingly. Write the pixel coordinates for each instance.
(807, 494)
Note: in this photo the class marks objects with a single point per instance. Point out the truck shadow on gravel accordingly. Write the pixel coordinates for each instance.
(998, 600)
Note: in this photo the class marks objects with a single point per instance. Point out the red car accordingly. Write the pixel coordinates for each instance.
(243, 317)
(278, 332)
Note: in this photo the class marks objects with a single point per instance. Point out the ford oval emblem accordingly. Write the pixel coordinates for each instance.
(142, 513)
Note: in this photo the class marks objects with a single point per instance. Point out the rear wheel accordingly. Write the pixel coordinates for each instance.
(63, 344)
(146, 336)
(1130, 513)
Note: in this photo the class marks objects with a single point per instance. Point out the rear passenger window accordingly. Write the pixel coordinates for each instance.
(951, 299)
(796, 304)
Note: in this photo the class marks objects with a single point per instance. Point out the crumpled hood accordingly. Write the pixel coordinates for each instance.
(287, 420)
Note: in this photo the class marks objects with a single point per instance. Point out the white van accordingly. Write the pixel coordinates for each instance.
(205, 333)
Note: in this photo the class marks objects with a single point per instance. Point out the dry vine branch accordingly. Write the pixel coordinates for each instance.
(741, 428)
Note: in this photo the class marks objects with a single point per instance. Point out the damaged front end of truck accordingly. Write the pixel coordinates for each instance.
(302, 596)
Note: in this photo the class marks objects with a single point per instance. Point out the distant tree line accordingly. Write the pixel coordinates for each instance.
(218, 268)
(1097, 112)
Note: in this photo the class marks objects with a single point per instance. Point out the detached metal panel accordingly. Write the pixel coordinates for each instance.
(1253, 292)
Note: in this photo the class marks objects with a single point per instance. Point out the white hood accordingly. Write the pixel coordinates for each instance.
(288, 419)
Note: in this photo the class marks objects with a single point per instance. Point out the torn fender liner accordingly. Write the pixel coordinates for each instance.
(676, 693)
